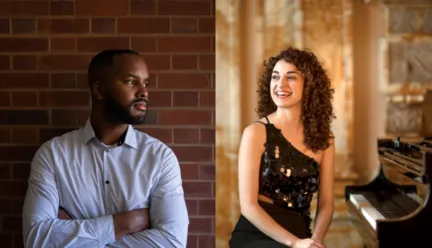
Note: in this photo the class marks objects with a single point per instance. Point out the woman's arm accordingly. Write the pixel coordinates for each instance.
(251, 149)
(325, 195)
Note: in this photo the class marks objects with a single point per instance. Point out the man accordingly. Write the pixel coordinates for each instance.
(107, 184)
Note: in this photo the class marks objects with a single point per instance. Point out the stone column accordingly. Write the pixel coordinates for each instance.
(228, 117)
(407, 65)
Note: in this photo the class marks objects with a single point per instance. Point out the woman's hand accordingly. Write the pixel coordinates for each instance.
(307, 243)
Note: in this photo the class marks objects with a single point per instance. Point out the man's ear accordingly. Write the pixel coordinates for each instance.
(98, 90)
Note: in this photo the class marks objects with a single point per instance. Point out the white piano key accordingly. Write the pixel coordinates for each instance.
(358, 200)
(371, 215)
(366, 209)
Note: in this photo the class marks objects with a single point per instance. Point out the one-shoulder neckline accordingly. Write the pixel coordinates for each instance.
(290, 144)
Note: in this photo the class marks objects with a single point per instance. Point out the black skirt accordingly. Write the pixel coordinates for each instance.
(245, 234)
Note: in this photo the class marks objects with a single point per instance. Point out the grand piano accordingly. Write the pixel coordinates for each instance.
(395, 208)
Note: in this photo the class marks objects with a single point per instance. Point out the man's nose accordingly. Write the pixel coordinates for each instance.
(142, 91)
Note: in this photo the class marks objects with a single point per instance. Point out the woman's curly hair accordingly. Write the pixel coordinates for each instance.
(317, 109)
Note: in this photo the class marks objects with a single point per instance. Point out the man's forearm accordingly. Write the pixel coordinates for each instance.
(60, 233)
(151, 238)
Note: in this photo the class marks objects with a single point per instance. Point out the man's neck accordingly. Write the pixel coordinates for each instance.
(108, 133)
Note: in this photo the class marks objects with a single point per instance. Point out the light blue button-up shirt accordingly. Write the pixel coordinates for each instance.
(92, 182)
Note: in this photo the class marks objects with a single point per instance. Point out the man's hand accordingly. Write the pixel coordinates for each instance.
(63, 215)
(131, 222)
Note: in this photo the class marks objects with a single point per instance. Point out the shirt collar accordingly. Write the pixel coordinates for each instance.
(129, 138)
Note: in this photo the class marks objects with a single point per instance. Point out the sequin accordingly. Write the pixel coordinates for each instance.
(290, 178)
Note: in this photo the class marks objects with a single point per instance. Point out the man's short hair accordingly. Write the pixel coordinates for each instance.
(102, 62)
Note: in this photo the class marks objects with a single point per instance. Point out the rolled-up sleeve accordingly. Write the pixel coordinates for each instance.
(41, 228)
(168, 212)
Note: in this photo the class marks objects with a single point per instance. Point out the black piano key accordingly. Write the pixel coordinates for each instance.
(384, 204)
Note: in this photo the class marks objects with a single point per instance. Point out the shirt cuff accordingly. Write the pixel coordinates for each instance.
(106, 229)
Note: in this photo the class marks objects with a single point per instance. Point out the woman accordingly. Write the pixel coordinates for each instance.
(287, 156)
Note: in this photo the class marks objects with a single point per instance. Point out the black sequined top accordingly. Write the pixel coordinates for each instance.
(287, 176)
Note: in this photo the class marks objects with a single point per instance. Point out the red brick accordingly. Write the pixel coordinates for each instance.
(192, 206)
(207, 241)
(157, 62)
(64, 117)
(184, 25)
(23, 117)
(13, 224)
(6, 206)
(63, 44)
(206, 207)
(5, 134)
(24, 98)
(189, 171)
(183, 80)
(63, 26)
(20, 171)
(103, 25)
(46, 134)
(97, 44)
(193, 153)
(186, 136)
(184, 44)
(5, 173)
(25, 135)
(142, 7)
(207, 62)
(64, 98)
(198, 189)
(184, 62)
(18, 206)
(192, 241)
(183, 8)
(15, 153)
(4, 25)
(24, 8)
(213, 8)
(143, 25)
(5, 62)
(23, 26)
(207, 172)
(25, 62)
(186, 98)
(5, 98)
(200, 225)
(160, 98)
(207, 25)
(207, 136)
(62, 8)
(207, 98)
(12, 44)
(24, 80)
(83, 116)
(144, 44)
(162, 134)
(101, 8)
(63, 80)
(185, 117)
(64, 62)
(82, 81)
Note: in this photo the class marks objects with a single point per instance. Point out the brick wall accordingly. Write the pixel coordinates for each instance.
(45, 47)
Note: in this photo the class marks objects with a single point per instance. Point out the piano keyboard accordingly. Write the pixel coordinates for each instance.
(375, 206)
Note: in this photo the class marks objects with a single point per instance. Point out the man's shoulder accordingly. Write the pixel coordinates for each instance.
(146, 141)
(66, 138)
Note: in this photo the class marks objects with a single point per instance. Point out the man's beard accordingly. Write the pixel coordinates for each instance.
(119, 114)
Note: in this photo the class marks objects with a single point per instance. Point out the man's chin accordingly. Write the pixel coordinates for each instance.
(137, 120)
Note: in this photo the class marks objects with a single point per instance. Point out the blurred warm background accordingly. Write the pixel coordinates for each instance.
(379, 56)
